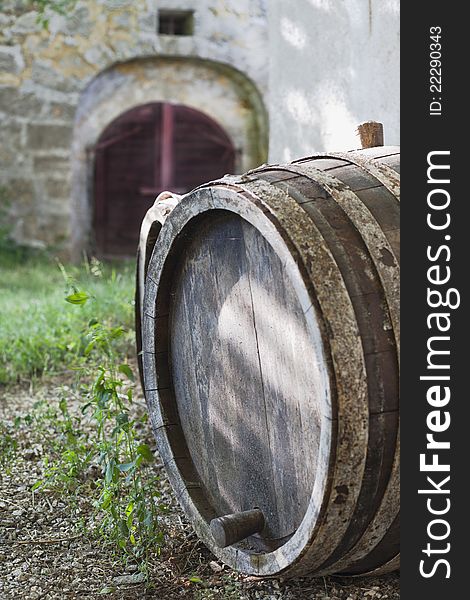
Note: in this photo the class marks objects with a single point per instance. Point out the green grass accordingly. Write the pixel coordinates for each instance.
(41, 333)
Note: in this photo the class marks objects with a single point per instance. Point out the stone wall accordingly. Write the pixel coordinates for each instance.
(46, 75)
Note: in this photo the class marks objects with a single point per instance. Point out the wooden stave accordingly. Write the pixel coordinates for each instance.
(237, 182)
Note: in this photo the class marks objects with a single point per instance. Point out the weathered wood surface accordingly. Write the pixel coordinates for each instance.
(243, 374)
(230, 529)
(149, 231)
(371, 134)
(145, 151)
(271, 337)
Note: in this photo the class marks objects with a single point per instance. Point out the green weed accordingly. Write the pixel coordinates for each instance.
(124, 489)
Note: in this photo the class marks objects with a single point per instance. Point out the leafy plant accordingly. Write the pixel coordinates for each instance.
(69, 453)
(127, 497)
(96, 453)
(129, 493)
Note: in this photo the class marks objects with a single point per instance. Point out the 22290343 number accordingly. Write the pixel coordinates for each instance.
(435, 70)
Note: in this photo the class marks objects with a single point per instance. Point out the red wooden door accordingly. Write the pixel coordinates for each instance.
(144, 151)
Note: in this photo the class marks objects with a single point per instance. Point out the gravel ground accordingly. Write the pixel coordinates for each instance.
(48, 550)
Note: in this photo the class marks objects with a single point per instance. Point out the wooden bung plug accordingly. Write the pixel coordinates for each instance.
(371, 134)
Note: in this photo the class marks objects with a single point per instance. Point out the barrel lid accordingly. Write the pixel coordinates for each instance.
(240, 394)
(246, 372)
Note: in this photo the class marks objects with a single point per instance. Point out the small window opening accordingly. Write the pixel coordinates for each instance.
(175, 22)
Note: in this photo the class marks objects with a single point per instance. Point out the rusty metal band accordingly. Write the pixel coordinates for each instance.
(389, 178)
(384, 174)
(388, 567)
(385, 515)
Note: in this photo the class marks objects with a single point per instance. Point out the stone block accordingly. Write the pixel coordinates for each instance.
(78, 23)
(57, 188)
(6, 20)
(121, 20)
(46, 74)
(53, 229)
(99, 56)
(27, 23)
(55, 207)
(10, 144)
(48, 164)
(11, 59)
(62, 111)
(19, 103)
(113, 4)
(42, 136)
(20, 195)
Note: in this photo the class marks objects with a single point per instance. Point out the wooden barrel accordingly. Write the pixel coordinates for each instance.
(270, 358)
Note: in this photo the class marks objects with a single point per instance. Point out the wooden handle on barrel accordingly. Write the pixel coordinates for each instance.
(230, 529)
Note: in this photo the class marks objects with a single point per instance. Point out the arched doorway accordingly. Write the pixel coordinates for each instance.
(148, 149)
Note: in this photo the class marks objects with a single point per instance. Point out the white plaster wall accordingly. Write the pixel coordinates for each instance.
(333, 64)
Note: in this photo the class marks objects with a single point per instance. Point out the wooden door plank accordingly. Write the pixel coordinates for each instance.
(166, 147)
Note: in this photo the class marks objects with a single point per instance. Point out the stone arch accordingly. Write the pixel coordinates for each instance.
(224, 93)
